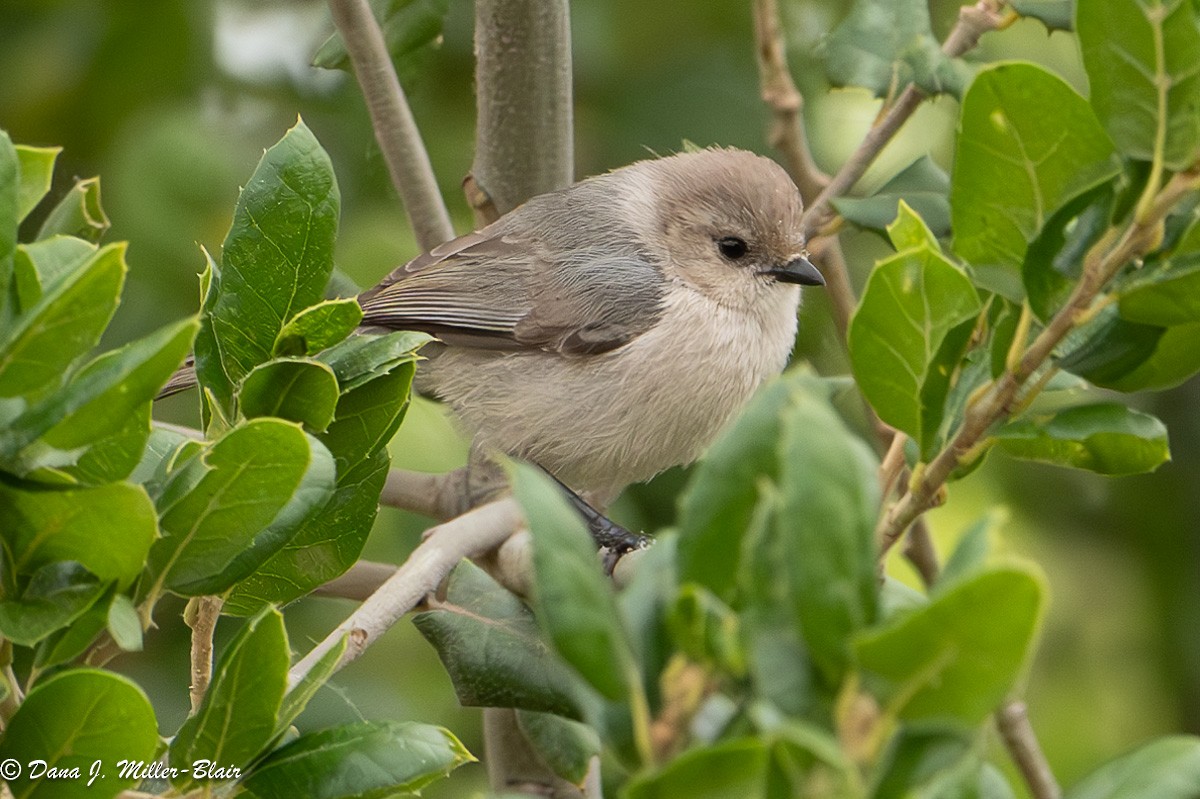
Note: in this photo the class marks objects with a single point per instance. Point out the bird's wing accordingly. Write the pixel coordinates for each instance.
(493, 290)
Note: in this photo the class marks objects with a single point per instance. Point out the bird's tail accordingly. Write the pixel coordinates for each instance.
(183, 379)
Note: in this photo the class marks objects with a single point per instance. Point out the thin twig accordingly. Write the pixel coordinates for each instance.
(392, 119)
(787, 134)
(202, 614)
(1012, 719)
(358, 583)
(432, 495)
(997, 401)
(921, 553)
(973, 22)
(471, 534)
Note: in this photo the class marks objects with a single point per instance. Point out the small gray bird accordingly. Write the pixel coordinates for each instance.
(609, 330)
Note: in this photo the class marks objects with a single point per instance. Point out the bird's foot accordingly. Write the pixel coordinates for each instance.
(615, 540)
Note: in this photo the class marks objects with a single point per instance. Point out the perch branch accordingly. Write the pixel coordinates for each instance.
(471, 534)
(434, 495)
(1012, 719)
(392, 119)
(524, 134)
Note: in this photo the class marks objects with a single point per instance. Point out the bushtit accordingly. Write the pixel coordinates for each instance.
(607, 331)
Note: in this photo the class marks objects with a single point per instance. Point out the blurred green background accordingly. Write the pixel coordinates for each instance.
(171, 102)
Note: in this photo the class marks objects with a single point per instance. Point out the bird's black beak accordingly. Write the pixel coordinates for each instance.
(798, 270)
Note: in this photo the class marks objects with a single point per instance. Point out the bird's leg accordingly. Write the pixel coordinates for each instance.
(610, 536)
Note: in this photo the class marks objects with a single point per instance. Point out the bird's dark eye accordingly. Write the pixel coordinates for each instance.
(732, 247)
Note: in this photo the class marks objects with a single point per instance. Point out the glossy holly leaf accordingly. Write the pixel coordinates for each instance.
(40, 265)
(907, 336)
(491, 647)
(956, 658)
(318, 327)
(1107, 348)
(54, 596)
(224, 513)
(574, 600)
(74, 720)
(1168, 768)
(108, 529)
(365, 760)
(883, 45)
(275, 261)
(1054, 261)
(36, 174)
(360, 359)
(366, 419)
(98, 402)
(297, 389)
(1107, 439)
(922, 185)
(1056, 15)
(1025, 129)
(1140, 57)
(67, 321)
(79, 214)
(236, 720)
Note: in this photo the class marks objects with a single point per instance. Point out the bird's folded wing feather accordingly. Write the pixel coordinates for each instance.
(494, 291)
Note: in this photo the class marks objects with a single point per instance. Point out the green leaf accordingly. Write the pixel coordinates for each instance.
(566, 746)
(300, 390)
(1107, 439)
(10, 203)
(1026, 130)
(908, 335)
(1165, 297)
(1054, 261)
(108, 459)
(275, 260)
(1168, 768)
(408, 27)
(1054, 14)
(37, 171)
(79, 213)
(574, 600)
(56, 595)
(123, 624)
(237, 719)
(922, 185)
(707, 630)
(98, 401)
(297, 698)
(1140, 57)
(108, 529)
(1175, 358)
(318, 327)
(1108, 348)
(491, 648)
(731, 768)
(366, 760)
(331, 542)
(223, 514)
(74, 720)
(67, 322)
(884, 45)
(69, 643)
(956, 658)
(937, 764)
(971, 551)
(40, 265)
(717, 507)
(829, 501)
(360, 359)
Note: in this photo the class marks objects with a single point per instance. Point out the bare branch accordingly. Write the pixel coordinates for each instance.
(360, 581)
(471, 534)
(437, 496)
(201, 615)
(779, 92)
(1019, 739)
(395, 129)
(524, 135)
(973, 22)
